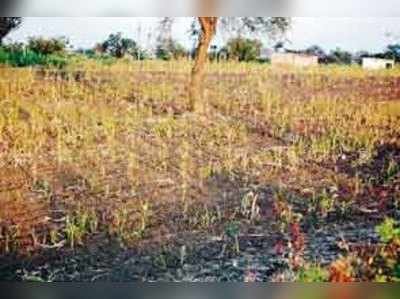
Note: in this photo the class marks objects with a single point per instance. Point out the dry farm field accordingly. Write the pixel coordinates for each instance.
(286, 174)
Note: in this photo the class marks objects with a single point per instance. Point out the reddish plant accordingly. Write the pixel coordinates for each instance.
(341, 271)
(296, 236)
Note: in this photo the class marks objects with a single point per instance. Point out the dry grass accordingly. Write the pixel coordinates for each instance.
(111, 151)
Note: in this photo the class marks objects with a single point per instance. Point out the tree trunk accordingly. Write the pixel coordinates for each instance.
(208, 29)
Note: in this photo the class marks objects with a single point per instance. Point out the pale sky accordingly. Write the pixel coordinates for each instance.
(350, 33)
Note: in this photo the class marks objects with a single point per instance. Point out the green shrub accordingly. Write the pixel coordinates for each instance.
(3, 56)
(56, 61)
(312, 274)
(24, 57)
(388, 231)
(244, 49)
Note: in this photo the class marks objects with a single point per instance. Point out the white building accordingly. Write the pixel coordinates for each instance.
(377, 63)
(295, 59)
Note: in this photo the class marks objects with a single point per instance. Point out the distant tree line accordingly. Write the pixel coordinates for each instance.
(236, 49)
(37, 50)
(339, 56)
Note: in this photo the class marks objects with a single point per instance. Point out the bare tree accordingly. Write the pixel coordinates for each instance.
(7, 24)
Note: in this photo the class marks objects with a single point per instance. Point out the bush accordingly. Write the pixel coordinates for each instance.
(388, 231)
(339, 56)
(313, 273)
(171, 50)
(118, 46)
(46, 46)
(244, 49)
(25, 57)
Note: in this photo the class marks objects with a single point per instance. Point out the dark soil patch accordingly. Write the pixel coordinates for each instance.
(383, 168)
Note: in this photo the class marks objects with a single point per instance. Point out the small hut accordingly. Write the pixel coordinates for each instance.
(372, 63)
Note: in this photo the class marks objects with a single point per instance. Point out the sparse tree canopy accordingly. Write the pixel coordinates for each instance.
(118, 46)
(7, 24)
(393, 52)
